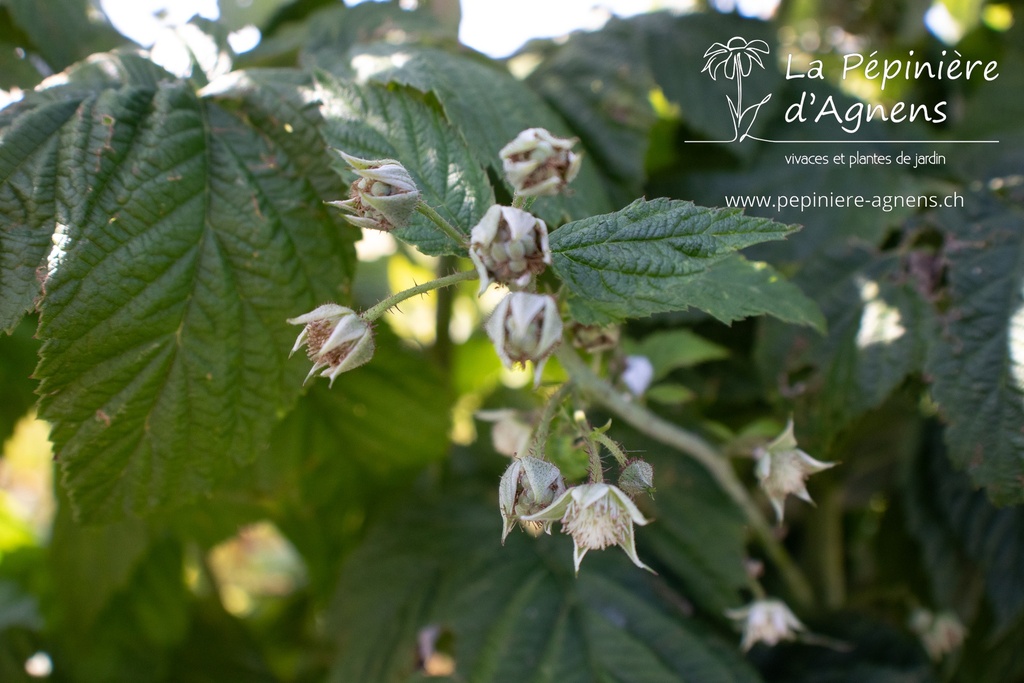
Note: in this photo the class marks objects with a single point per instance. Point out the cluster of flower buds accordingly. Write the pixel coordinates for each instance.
(525, 327)
(538, 163)
(337, 340)
(782, 469)
(383, 197)
(766, 621)
(528, 486)
(596, 516)
(509, 246)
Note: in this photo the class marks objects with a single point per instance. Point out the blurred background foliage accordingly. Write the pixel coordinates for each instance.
(361, 545)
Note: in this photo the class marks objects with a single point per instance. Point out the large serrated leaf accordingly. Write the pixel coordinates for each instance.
(602, 81)
(187, 230)
(376, 122)
(664, 255)
(878, 326)
(483, 102)
(513, 613)
(978, 365)
(962, 536)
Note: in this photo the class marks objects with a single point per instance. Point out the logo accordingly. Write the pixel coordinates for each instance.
(735, 60)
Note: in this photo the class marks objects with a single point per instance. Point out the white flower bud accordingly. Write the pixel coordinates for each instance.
(337, 340)
(509, 246)
(638, 374)
(537, 163)
(766, 621)
(637, 478)
(782, 469)
(525, 327)
(596, 516)
(383, 197)
(529, 485)
(939, 633)
(510, 435)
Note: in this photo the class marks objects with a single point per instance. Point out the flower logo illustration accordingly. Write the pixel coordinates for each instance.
(735, 60)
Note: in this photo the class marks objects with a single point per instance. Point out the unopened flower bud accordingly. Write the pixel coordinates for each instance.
(637, 478)
(383, 197)
(537, 163)
(939, 633)
(510, 434)
(509, 246)
(782, 469)
(337, 340)
(766, 621)
(638, 374)
(525, 327)
(596, 516)
(528, 486)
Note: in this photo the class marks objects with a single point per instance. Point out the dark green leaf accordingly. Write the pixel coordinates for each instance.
(602, 83)
(189, 229)
(483, 102)
(335, 454)
(63, 31)
(512, 613)
(662, 255)
(707, 556)
(961, 533)
(979, 364)
(377, 122)
(878, 326)
(17, 358)
(671, 349)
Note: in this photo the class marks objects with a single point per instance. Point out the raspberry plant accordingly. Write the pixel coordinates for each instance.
(168, 242)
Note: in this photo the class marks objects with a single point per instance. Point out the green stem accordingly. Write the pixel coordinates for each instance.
(612, 447)
(540, 434)
(700, 450)
(438, 220)
(378, 310)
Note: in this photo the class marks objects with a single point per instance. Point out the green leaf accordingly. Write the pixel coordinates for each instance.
(602, 83)
(708, 558)
(377, 122)
(63, 31)
(978, 366)
(664, 255)
(335, 454)
(962, 536)
(878, 327)
(188, 230)
(512, 613)
(672, 349)
(17, 359)
(483, 102)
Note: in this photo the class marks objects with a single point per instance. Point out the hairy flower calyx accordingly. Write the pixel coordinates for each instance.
(538, 163)
(528, 486)
(525, 327)
(782, 469)
(509, 246)
(596, 516)
(337, 340)
(766, 621)
(637, 478)
(383, 197)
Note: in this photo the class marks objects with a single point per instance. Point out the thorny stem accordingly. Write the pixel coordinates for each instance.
(521, 202)
(438, 220)
(378, 310)
(650, 424)
(539, 439)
